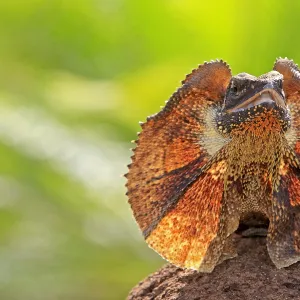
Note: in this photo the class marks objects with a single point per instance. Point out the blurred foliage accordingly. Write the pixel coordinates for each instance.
(75, 79)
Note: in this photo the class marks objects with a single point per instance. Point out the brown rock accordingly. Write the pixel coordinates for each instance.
(251, 276)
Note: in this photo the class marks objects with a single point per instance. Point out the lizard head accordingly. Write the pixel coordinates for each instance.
(254, 103)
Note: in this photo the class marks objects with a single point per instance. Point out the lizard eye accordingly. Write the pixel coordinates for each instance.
(234, 88)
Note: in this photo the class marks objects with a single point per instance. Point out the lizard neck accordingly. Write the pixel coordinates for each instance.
(256, 158)
(253, 169)
(267, 147)
(259, 140)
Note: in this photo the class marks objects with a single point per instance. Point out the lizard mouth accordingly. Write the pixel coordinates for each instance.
(266, 96)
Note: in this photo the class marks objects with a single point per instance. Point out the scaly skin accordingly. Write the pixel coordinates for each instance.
(222, 150)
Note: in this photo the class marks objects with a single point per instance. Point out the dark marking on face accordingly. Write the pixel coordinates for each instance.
(248, 97)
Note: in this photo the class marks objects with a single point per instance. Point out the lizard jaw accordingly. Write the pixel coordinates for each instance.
(266, 96)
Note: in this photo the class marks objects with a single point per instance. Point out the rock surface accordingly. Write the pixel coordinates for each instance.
(251, 275)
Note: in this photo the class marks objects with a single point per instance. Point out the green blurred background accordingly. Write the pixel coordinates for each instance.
(75, 79)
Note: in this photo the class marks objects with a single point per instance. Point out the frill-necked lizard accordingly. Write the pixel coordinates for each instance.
(223, 149)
